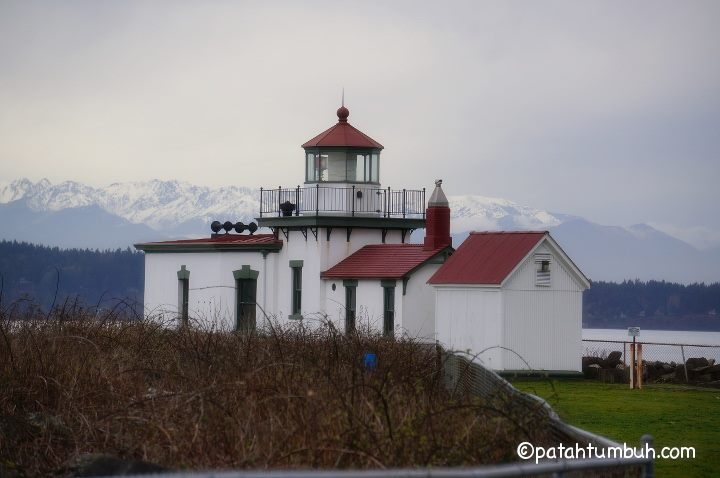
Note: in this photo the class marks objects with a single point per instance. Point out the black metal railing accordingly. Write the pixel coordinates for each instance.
(352, 200)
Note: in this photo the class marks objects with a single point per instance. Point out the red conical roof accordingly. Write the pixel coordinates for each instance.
(343, 134)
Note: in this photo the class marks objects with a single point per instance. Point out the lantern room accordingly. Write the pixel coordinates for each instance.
(342, 154)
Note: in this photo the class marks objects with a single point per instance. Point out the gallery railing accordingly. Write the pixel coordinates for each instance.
(352, 201)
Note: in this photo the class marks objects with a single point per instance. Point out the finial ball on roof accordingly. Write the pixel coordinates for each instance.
(343, 114)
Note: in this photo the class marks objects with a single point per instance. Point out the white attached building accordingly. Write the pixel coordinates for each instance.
(514, 299)
(337, 251)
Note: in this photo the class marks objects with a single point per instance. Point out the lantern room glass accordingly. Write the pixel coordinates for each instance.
(342, 166)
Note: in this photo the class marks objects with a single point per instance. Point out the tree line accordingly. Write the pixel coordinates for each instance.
(47, 276)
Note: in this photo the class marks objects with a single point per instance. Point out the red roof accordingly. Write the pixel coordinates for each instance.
(220, 242)
(381, 261)
(226, 239)
(343, 134)
(486, 257)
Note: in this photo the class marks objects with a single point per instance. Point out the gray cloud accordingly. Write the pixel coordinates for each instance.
(609, 110)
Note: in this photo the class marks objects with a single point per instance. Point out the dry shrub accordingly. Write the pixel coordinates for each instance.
(282, 398)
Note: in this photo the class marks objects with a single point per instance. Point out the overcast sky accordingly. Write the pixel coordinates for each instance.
(608, 110)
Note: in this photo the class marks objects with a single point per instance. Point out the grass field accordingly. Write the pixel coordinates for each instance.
(673, 415)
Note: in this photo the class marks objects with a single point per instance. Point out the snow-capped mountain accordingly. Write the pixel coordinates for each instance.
(158, 204)
(165, 205)
(72, 214)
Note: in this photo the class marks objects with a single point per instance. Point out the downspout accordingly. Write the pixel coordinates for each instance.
(264, 299)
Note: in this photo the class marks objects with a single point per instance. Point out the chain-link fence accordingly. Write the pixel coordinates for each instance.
(662, 362)
(462, 374)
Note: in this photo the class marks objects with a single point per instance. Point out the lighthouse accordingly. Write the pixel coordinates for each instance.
(335, 246)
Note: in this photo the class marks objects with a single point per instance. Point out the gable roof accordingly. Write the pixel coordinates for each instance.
(343, 134)
(487, 257)
(219, 242)
(381, 261)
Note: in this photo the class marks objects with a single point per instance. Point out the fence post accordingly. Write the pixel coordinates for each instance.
(422, 206)
(649, 468)
(403, 211)
(682, 351)
(261, 201)
(297, 200)
(317, 199)
(639, 365)
(279, 200)
(632, 365)
(352, 200)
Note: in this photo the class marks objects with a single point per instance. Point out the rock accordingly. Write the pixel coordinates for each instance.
(107, 465)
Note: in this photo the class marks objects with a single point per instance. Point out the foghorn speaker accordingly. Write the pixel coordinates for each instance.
(252, 227)
(215, 226)
(240, 227)
(227, 225)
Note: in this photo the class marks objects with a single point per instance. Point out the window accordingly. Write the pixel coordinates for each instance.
(388, 308)
(342, 166)
(183, 276)
(296, 292)
(350, 305)
(542, 268)
(245, 298)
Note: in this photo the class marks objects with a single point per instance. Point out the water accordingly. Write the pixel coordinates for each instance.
(663, 336)
(664, 353)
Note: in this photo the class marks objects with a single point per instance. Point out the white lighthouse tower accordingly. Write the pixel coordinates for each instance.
(337, 250)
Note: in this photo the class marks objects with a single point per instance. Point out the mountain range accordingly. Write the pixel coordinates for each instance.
(72, 214)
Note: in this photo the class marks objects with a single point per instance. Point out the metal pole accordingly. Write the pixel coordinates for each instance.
(639, 365)
(261, 201)
(279, 200)
(403, 211)
(352, 200)
(422, 206)
(632, 364)
(317, 199)
(682, 351)
(624, 355)
(297, 200)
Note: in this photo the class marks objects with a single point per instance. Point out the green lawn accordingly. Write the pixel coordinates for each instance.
(673, 415)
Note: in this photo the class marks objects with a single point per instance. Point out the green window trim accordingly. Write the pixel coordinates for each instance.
(245, 272)
(183, 276)
(245, 298)
(388, 288)
(350, 305)
(296, 290)
(183, 273)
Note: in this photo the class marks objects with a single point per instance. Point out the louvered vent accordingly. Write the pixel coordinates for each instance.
(542, 268)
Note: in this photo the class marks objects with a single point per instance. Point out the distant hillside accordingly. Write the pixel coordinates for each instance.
(34, 272)
(72, 214)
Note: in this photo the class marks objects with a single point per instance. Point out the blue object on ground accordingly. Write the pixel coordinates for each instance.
(370, 361)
